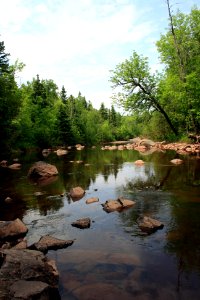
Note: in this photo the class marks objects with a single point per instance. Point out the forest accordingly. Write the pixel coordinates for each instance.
(162, 105)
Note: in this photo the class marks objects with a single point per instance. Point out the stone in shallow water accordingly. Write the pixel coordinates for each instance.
(77, 193)
(176, 161)
(148, 224)
(82, 223)
(119, 204)
(42, 169)
(48, 242)
(92, 200)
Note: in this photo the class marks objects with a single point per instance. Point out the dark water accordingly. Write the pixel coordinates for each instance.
(112, 259)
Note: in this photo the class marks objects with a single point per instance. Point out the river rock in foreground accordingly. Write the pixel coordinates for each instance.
(22, 267)
(119, 204)
(48, 242)
(149, 225)
(42, 169)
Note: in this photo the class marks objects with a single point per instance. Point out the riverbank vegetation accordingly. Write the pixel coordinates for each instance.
(161, 105)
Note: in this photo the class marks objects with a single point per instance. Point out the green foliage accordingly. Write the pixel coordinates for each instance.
(175, 93)
(9, 100)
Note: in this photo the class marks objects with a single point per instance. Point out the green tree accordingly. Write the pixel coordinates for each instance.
(139, 87)
(179, 50)
(103, 111)
(63, 94)
(10, 100)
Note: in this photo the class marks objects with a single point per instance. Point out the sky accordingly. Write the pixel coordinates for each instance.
(77, 42)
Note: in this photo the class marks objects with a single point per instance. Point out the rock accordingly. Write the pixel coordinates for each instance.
(147, 143)
(8, 200)
(9, 229)
(101, 291)
(27, 266)
(38, 194)
(176, 161)
(139, 162)
(3, 163)
(77, 193)
(148, 224)
(42, 169)
(15, 166)
(82, 223)
(46, 152)
(61, 152)
(23, 289)
(48, 242)
(21, 245)
(119, 204)
(92, 200)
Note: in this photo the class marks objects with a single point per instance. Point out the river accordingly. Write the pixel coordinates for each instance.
(113, 259)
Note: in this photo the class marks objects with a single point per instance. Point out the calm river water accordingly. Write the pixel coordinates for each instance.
(113, 259)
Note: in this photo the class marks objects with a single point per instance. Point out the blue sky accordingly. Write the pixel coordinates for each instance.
(76, 42)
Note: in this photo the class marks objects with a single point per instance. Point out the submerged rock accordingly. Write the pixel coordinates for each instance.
(149, 225)
(48, 242)
(82, 223)
(119, 204)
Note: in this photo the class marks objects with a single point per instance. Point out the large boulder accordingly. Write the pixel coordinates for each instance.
(22, 267)
(42, 169)
(10, 229)
(117, 205)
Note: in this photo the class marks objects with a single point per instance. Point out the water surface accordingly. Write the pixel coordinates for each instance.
(113, 259)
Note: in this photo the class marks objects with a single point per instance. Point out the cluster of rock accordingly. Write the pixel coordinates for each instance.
(14, 166)
(146, 145)
(25, 271)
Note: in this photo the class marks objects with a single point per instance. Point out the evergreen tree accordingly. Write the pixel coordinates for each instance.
(10, 100)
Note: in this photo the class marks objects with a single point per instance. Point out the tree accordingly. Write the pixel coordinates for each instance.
(139, 87)
(103, 112)
(10, 100)
(179, 50)
(63, 94)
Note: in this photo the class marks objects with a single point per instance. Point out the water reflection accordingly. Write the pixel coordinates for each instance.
(112, 257)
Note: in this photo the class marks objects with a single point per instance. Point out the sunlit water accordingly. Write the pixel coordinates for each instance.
(113, 259)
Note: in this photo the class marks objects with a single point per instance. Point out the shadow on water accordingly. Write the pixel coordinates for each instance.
(113, 259)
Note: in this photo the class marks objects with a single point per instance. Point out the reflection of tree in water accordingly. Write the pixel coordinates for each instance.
(183, 237)
(106, 163)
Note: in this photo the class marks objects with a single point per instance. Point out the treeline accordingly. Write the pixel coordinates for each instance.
(37, 114)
